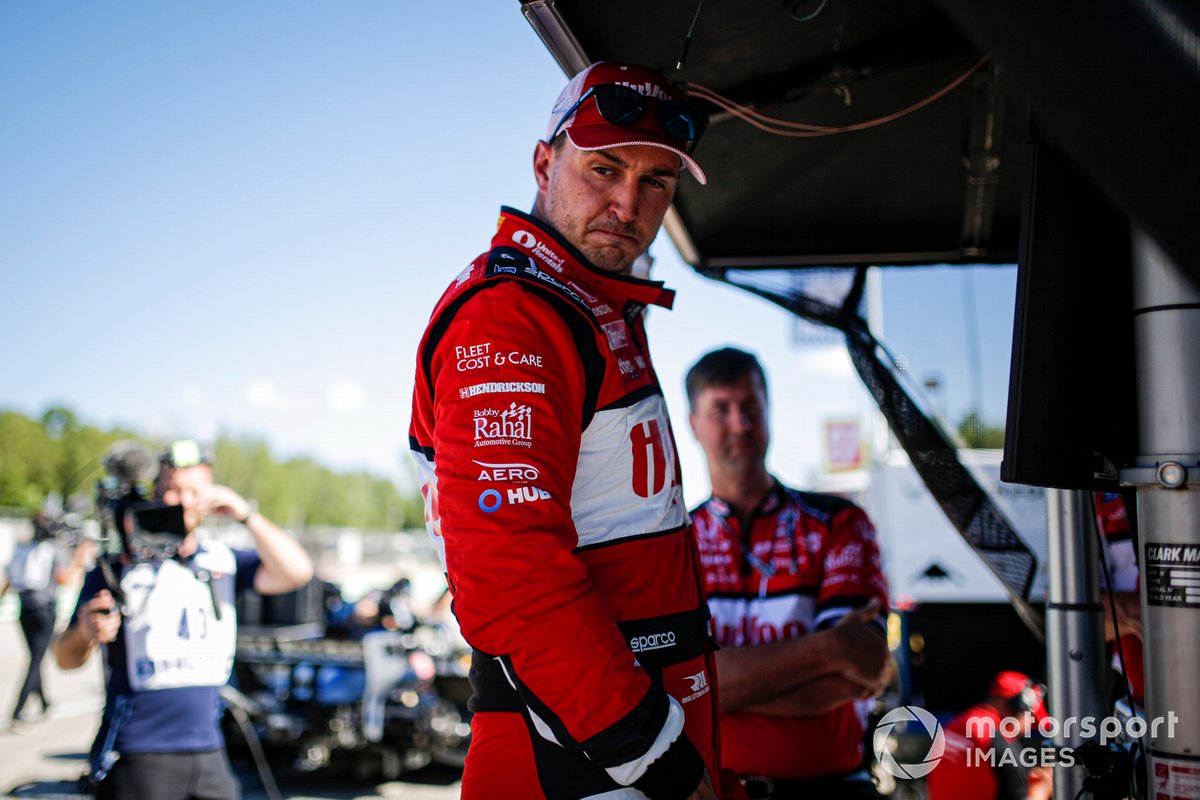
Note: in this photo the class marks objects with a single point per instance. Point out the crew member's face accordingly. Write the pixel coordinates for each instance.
(730, 422)
(608, 203)
(187, 487)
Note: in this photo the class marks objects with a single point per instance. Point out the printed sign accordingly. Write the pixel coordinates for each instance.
(1173, 575)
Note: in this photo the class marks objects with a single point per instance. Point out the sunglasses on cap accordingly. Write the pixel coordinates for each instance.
(621, 105)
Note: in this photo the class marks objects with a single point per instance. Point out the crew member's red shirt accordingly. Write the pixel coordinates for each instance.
(798, 564)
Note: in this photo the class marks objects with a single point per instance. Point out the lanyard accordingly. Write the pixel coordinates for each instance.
(785, 531)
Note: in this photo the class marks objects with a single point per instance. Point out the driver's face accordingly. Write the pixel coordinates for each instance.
(608, 203)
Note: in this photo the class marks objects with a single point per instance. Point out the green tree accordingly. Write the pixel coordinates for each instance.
(28, 461)
(58, 452)
(979, 434)
(300, 491)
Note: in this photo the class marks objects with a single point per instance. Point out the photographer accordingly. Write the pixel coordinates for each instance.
(165, 614)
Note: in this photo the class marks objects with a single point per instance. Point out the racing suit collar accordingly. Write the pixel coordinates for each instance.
(547, 247)
(773, 501)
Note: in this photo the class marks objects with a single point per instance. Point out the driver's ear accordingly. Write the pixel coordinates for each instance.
(543, 158)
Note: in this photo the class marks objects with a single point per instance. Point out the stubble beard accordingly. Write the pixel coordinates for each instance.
(608, 259)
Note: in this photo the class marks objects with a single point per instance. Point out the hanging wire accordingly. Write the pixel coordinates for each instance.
(801, 130)
(812, 15)
(1102, 546)
(687, 41)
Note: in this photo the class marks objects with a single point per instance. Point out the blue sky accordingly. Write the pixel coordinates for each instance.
(237, 216)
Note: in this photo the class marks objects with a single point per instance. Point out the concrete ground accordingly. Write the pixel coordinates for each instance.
(43, 758)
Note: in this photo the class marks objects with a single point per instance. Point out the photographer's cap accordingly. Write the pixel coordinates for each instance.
(588, 130)
(185, 453)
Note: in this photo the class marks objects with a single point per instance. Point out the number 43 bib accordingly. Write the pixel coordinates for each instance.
(173, 638)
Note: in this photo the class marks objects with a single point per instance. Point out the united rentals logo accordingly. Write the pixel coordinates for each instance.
(540, 250)
(908, 720)
(653, 462)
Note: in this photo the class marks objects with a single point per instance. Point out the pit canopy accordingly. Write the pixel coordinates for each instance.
(941, 184)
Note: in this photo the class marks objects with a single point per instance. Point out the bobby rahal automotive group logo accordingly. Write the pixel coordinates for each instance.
(508, 426)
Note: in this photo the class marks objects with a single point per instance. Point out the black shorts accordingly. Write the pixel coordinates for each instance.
(171, 776)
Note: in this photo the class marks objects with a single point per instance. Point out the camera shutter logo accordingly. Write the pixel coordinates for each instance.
(908, 719)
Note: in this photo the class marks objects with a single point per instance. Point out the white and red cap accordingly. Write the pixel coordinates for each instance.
(588, 130)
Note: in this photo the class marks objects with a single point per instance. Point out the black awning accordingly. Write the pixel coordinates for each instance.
(941, 184)
(1117, 87)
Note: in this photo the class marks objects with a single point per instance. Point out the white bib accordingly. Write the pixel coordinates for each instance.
(172, 635)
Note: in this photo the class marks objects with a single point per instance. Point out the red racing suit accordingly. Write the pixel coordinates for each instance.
(798, 564)
(551, 486)
(978, 763)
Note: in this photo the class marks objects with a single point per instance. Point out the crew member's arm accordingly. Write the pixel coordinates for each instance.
(809, 675)
(96, 621)
(285, 566)
(509, 391)
(846, 659)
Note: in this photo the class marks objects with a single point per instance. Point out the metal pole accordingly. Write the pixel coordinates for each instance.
(1074, 626)
(1167, 477)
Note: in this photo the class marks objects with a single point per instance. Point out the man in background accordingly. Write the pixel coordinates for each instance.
(797, 595)
(168, 626)
(963, 774)
(37, 569)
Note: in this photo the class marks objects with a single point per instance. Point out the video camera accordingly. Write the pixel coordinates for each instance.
(147, 530)
(156, 531)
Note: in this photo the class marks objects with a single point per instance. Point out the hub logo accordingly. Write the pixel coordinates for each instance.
(911, 721)
(490, 500)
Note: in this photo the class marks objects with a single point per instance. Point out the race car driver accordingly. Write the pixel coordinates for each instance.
(549, 472)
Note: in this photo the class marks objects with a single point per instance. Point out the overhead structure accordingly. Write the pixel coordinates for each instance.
(941, 184)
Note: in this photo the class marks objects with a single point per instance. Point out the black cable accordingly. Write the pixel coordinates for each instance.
(1112, 604)
(807, 17)
(687, 41)
(234, 703)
